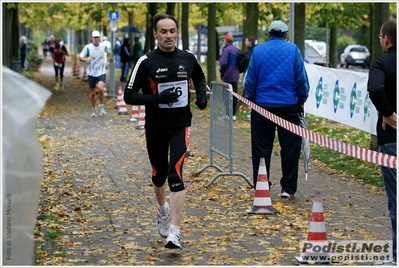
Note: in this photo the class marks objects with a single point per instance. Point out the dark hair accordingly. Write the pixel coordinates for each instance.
(277, 33)
(159, 17)
(251, 39)
(389, 29)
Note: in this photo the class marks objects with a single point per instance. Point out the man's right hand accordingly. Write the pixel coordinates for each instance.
(167, 96)
(390, 120)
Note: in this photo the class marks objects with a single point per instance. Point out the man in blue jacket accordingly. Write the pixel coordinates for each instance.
(276, 80)
(229, 71)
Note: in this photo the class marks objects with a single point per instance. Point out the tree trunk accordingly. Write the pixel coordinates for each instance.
(184, 26)
(170, 9)
(299, 26)
(380, 15)
(11, 23)
(149, 37)
(250, 28)
(250, 22)
(333, 58)
(212, 35)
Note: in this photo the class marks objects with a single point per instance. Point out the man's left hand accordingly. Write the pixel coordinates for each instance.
(201, 105)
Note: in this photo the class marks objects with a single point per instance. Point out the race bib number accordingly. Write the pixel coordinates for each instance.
(181, 88)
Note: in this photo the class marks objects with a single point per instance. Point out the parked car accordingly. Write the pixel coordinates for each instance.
(320, 46)
(315, 51)
(355, 55)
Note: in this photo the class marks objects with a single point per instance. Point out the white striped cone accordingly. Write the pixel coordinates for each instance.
(105, 91)
(188, 154)
(85, 77)
(317, 234)
(262, 201)
(75, 69)
(78, 73)
(120, 98)
(123, 108)
(142, 118)
(317, 229)
(134, 115)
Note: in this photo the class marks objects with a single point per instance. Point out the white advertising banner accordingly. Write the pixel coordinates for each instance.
(341, 96)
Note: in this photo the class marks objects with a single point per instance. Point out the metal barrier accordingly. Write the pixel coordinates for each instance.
(221, 129)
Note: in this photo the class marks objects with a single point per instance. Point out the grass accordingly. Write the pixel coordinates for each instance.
(359, 169)
(329, 159)
(47, 228)
(326, 158)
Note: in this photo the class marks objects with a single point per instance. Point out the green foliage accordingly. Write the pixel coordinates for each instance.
(53, 234)
(348, 15)
(33, 55)
(343, 41)
(362, 36)
(314, 32)
(11, 5)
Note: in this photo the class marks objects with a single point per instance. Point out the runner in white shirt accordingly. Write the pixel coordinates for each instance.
(93, 53)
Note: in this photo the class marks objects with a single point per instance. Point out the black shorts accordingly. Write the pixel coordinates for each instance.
(93, 80)
(166, 151)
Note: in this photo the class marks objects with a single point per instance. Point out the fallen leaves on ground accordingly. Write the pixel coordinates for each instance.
(97, 187)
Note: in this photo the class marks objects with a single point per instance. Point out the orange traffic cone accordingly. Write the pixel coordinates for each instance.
(188, 153)
(142, 118)
(122, 108)
(85, 77)
(75, 69)
(317, 235)
(120, 98)
(134, 115)
(78, 73)
(262, 201)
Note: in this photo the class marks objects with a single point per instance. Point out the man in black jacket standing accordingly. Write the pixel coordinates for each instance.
(382, 88)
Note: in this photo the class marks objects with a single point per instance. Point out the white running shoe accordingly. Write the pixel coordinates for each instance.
(173, 241)
(163, 224)
(102, 110)
(93, 112)
(284, 194)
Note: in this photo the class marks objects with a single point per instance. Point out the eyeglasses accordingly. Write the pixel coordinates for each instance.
(96, 37)
(380, 36)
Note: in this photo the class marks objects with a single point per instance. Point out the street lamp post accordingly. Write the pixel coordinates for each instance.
(113, 27)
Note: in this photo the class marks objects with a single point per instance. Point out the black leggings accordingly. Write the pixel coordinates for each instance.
(159, 143)
(56, 68)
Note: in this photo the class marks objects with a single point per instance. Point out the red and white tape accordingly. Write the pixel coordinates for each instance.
(351, 150)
